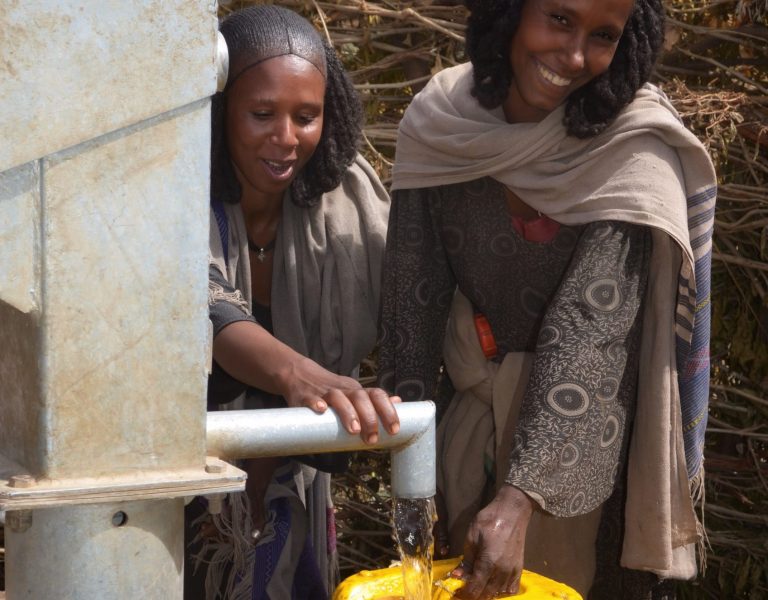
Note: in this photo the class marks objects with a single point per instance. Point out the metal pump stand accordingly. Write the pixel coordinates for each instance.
(104, 333)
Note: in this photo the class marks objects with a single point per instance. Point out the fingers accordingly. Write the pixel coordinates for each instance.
(497, 586)
(442, 546)
(385, 409)
(440, 533)
(488, 578)
(478, 583)
(363, 405)
(465, 568)
(485, 576)
(512, 586)
(500, 583)
(360, 410)
(341, 403)
(476, 568)
(316, 403)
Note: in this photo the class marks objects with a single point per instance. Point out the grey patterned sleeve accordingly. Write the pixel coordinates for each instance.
(222, 312)
(579, 403)
(417, 288)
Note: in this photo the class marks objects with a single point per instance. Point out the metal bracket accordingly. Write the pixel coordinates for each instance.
(19, 490)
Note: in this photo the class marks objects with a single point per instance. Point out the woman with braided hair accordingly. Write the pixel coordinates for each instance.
(298, 225)
(550, 232)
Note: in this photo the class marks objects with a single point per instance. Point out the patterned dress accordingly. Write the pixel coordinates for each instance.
(574, 301)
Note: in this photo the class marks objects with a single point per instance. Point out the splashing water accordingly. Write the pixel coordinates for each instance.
(413, 522)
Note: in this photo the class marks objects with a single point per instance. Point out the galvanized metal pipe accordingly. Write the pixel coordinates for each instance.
(286, 431)
(116, 551)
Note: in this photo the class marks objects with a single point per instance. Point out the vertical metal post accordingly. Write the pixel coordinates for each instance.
(99, 551)
(103, 301)
(103, 292)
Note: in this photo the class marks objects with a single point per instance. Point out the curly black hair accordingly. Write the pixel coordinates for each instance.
(591, 108)
(342, 112)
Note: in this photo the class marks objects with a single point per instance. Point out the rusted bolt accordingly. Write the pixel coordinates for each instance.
(215, 466)
(21, 481)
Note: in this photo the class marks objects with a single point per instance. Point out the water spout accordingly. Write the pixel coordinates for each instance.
(288, 431)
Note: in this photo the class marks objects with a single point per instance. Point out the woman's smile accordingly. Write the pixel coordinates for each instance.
(279, 170)
(559, 47)
(553, 77)
(274, 123)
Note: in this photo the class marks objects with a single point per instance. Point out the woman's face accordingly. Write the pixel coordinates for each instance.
(274, 123)
(559, 46)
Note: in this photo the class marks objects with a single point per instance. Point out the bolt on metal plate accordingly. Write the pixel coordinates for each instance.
(215, 466)
(21, 481)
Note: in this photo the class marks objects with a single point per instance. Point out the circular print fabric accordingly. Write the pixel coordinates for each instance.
(568, 399)
(603, 295)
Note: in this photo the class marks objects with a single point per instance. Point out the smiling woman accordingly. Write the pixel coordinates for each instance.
(274, 123)
(558, 49)
(297, 233)
(549, 203)
(591, 106)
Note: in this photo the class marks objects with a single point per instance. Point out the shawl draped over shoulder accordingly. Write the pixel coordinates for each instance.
(325, 303)
(646, 169)
(326, 269)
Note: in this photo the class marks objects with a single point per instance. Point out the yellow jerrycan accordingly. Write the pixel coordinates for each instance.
(387, 584)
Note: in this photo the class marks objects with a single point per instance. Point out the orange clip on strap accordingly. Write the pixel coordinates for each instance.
(485, 335)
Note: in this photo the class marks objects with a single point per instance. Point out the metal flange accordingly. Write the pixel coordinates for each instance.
(19, 490)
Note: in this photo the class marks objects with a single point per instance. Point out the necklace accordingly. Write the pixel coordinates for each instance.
(261, 251)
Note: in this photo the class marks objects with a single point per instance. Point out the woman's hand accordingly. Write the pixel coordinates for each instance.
(493, 550)
(250, 354)
(305, 383)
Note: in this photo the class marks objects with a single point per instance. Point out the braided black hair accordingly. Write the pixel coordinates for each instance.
(591, 108)
(256, 34)
(342, 131)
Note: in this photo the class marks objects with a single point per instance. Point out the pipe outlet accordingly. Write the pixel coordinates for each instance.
(287, 431)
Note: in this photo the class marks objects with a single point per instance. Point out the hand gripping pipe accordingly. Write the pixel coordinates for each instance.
(287, 431)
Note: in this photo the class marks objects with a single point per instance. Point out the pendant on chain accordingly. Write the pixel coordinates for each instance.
(261, 251)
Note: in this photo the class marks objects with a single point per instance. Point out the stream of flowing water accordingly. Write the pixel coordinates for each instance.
(413, 522)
